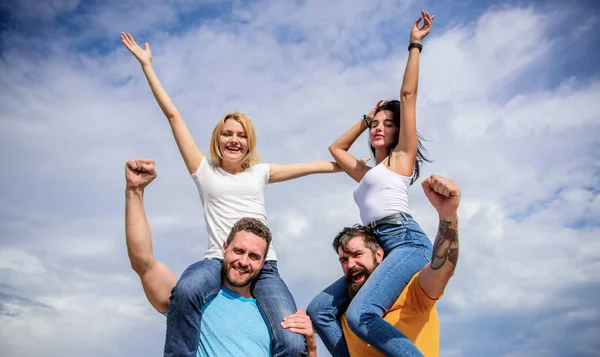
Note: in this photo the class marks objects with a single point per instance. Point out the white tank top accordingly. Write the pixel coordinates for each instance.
(381, 193)
(226, 198)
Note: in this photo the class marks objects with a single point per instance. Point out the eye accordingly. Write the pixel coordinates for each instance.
(243, 135)
(226, 134)
(255, 257)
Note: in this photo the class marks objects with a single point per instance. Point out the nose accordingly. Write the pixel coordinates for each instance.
(351, 263)
(243, 260)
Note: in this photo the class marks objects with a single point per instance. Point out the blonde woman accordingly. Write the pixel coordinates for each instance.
(231, 184)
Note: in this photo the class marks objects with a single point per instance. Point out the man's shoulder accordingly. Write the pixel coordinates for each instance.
(413, 297)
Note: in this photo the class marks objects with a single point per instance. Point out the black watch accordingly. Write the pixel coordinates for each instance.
(417, 45)
(366, 120)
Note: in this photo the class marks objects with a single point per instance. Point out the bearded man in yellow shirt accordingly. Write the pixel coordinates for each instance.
(414, 313)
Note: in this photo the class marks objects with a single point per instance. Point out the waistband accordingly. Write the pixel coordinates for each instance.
(389, 218)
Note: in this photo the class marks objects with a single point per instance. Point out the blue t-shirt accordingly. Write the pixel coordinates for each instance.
(233, 326)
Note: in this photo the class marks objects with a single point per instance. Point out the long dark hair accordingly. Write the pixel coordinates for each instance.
(394, 107)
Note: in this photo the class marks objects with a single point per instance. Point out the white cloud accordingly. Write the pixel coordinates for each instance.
(525, 157)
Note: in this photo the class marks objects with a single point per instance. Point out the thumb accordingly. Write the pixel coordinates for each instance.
(426, 184)
(417, 22)
(147, 46)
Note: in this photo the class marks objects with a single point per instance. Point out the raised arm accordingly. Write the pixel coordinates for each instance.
(354, 167)
(444, 195)
(404, 155)
(187, 147)
(157, 279)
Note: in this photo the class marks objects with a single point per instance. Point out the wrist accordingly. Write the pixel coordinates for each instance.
(146, 65)
(366, 122)
(449, 217)
(415, 45)
(311, 345)
(134, 192)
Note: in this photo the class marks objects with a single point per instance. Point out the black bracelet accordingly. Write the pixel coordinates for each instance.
(417, 45)
(366, 120)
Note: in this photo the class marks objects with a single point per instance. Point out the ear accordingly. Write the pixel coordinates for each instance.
(224, 247)
(379, 255)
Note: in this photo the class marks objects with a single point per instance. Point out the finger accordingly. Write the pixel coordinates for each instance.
(131, 164)
(301, 332)
(146, 161)
(131, 39)
(417, 22)
(446, 191)
(436, 186)
(147, 46)
(432, 17)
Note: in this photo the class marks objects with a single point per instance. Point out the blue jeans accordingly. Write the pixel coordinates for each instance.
(202, 281)
(407, 250)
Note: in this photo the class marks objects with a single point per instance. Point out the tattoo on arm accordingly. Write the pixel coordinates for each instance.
(445, 247)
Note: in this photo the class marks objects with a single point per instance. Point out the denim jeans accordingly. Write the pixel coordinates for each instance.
(202, 281)
(407, 250)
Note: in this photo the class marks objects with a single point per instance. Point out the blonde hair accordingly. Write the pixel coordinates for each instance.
(252, 157)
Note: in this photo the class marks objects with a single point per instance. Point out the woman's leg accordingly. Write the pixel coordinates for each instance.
(198, 284)
(325, 311)
(407, 251)
(276, 302)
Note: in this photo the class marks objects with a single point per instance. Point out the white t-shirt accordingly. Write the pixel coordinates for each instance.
(381, 193)
(226, 198)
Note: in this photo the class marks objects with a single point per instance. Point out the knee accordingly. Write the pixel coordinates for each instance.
(293, 344)
(186, 289)
(195, 285)
(359, 319)
(318, 312)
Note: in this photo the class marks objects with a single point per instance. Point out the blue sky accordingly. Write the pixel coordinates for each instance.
(508, 102)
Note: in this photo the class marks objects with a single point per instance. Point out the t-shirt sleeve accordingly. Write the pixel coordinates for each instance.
(416, 297)
(264, 170)
(199, 175)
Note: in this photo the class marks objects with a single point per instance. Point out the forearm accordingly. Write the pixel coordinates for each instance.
(137, 232)
(311, 349)
(408, 140)
(435, 276)
(446, 246)
(345, 141)
(159, 92)
(280, 173)
(410, 81)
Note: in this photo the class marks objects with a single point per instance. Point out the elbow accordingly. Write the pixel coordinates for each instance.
(407, 95)
(332, 149)
(173, 117)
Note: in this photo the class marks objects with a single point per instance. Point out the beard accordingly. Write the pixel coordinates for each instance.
(352, 287)
(236, 281)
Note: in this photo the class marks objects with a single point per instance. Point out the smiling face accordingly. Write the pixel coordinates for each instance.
(233, 141)
(243, 258)
(383, 133)
(358, 262)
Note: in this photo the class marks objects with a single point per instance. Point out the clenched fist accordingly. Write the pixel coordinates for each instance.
(139, 173)
(444, 195)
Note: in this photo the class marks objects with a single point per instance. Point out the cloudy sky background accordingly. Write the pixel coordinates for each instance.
(509, 101)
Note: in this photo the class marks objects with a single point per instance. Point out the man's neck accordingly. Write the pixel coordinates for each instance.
(243, 291)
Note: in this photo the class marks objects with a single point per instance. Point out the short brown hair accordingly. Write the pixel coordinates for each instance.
(348, 233)
(251, 225)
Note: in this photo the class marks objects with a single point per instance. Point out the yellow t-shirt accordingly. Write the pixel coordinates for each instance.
(414, 314)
